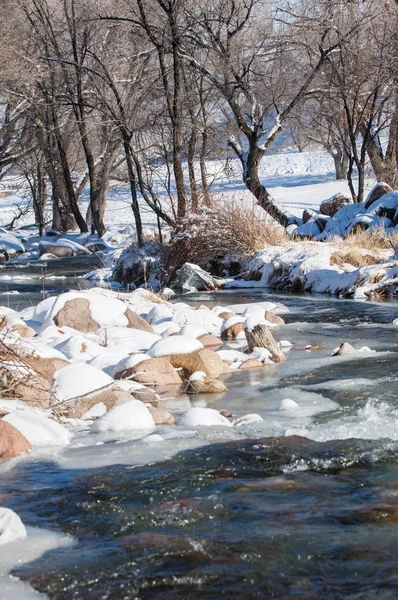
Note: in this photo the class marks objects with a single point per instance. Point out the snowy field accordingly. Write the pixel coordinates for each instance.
(296, 181)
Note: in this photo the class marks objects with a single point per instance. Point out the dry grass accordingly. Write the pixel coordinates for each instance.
(374, 239)
(225, 231)
(356, 258)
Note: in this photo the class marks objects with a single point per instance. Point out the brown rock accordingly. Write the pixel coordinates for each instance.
(137, 322)
(110, 396)
(232, 332)
(251, 363)
(161, 416)
(12, 442)
(210, 341)
(226, 369)
(226, 414)
(203, 360)
(46, 366)
(58, 251)
(275, 319)
(226, 315)
(378, 191)
(76, 314)
(155, 371)
(212, 387)
(145, 394)
(24, 330)
(330, 206)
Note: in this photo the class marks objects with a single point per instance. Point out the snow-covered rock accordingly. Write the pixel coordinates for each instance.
(38, 429)
(197, 417)
(11, 527)
(129, 416)
(178, 344)
(78, 379)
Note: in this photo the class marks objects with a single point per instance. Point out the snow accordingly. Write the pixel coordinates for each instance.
(79, 379)
(132, 415)
(179, 344)
(207, 417)
(210, 322)
(38, 429)
(97, 410)
(10, 243)
(11, 527)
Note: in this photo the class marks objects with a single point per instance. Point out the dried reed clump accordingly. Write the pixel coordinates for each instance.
(372, 239)
(226, 231)
(355, 257)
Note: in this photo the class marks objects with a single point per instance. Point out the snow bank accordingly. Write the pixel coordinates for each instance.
(208, 417)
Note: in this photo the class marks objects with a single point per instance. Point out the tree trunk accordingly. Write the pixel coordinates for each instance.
(191, 171)
(261, 337)
(203, 171)
(340, 164)
(251, 162)
(133, 188)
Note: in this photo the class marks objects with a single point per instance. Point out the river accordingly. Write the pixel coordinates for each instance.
(303, 504)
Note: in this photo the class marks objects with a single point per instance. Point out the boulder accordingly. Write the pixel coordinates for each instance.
(23, 330)
(274, 319)
(97, 246)
(12, 442)
(210, 341)
(161, 416)
(251, 363)
(191, 277)
(378, 191)
(145, 394)
(226, 315)
(56, 250)
(110, 397)
(137, 322)
(321, 222)
(229, 332)
(154, 371)
(201, 387)
(330, 206)
(203, 360)
(345, 348)
(46, 367)
(76, 314)
(309, 213)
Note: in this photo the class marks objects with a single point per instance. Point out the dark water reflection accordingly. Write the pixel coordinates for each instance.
(271, 518)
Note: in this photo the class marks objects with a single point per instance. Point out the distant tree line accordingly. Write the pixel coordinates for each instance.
(148, 91)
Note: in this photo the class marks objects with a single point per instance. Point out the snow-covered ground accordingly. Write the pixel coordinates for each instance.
(296, 181)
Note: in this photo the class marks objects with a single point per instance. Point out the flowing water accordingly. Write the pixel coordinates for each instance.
(303, 504)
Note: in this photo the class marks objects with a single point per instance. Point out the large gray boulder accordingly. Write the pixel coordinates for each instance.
(191, 277)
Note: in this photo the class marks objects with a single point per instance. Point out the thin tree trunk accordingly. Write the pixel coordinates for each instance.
(133, 188)
(191, 171)
(203, 171)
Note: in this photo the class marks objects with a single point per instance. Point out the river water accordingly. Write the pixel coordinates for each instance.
(303, 504)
